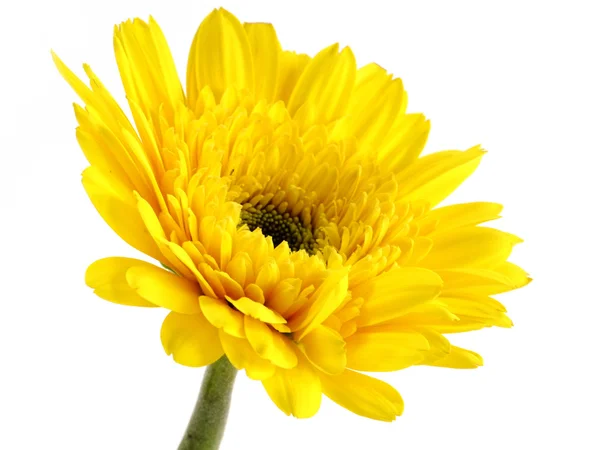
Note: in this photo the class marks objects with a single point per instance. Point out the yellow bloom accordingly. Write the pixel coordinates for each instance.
(287, 196)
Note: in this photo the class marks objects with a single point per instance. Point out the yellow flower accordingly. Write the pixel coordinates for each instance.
(287, 196)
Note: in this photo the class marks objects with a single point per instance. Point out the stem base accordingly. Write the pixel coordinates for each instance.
(207, 424)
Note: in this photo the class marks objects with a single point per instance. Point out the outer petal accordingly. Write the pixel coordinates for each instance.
(326, 84)
(473, 247)
(477, 282)
(363, 395)
(222, 316)
(270, 344)
(371, 120)
(385, 349)
(266, 51)
(326, 349)
(371, 81)
(147, 68)
(517, 276)
(107, 137)
(434, 177)
(377, 116)
(404, 143)
(295, 391)
(464, 214)
(96, 152)
(220, 57)
(326, 300)
(393, 293)
(256, 310)
(99, 100)
(291, 67)
(243, 356)
(107, 278)
(444, 321)
(458, 358)
(118, 207)
(481, 308)
(191, 339)
(165, 289)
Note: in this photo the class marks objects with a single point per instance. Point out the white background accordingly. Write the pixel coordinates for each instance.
(519, 77)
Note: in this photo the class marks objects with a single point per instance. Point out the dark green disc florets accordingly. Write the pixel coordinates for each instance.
(281, 227)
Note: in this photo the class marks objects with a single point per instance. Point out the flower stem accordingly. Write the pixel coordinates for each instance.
(207, 424)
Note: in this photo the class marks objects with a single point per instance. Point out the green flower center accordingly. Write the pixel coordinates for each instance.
(281, 227)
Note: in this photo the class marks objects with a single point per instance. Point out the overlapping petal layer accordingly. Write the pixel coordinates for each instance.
(287, 197)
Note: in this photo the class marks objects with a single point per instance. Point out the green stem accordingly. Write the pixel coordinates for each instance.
(207, 424)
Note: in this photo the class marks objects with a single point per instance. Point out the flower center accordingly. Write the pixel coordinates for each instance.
(281, 227)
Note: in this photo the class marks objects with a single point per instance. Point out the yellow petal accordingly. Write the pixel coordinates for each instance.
(95, 152)
(471, 247)
(517, 276)
(284, 294)
(439, 345)
(270, 344)
(117, 206)
(183, 261)
(433, 177)
(220, 57)
(326, 349)
(105, 133)
(266, 51)
(268, 277)
(363, 395)
(462, 326)
(147, 68)
(469, 281)
(385, 349)
(240, 269)
(165, 289)
(428, 315)
(256, 310)
(462, 215)
(291, 67)
(326, 299)
(243, 356)
(449, 322)
(404, 142)
(149, 218)
(326, 83)
(485, 309)
(371, 121)
(97, 98)
(394, 293)
(222, 316)
(108, 279)
(371, 81)
(458, 358)
(295, 391)
(190, 339)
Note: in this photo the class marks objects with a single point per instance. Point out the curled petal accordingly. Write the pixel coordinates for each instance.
(191, 339)
(326, 349)
(243, 356)
(108, 279)
(165, 289)
(363, 395)
(295, 391)
(270, 344)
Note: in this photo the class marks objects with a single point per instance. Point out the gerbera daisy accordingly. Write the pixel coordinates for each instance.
(295, 220)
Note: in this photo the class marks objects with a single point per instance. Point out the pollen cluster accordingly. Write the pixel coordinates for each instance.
(280, 226)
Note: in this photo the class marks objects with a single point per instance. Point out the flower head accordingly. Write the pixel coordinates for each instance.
(286, 197)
